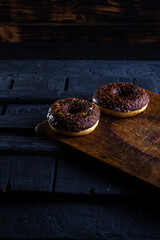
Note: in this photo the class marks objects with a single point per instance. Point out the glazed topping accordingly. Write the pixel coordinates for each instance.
(123, 97)
(73, 114)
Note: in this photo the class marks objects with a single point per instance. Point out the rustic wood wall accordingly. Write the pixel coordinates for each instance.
(80, 21)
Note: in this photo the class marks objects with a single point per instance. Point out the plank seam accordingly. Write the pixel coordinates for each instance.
(11, 84)
(55, 175)
(66, 84)
(4, 109)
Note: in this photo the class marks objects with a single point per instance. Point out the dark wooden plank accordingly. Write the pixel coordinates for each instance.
(89, 80)
(130, 144)
(79, 220)
(25, 96)
(21, 122)
(26, 172)
(91, 74)
(80, 21)
(40, 110)
(73, 175)
(81, 12)
(79, 175)
(108, 33)
(22, 75)
(33, 75)
(41, 80)
(10, 142)
(52, 74)
(95, 72)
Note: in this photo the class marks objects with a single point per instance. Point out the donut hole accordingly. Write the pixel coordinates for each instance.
(125, 93)
(75, 110)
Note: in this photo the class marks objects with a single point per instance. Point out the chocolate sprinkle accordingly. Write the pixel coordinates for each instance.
(124, 97)
(73, 114)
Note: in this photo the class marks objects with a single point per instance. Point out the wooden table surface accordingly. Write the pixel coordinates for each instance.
(68, 197)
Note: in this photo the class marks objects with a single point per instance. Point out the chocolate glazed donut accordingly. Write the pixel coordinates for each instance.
(73, 116)
(121, 99)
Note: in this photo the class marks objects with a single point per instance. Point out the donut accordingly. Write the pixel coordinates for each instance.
(73, 116)
(121, 99)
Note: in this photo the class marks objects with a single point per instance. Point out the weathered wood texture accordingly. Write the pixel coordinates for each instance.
(18, 143)
(103, 21)
(26, 172)
(61, 12)
(40, 97)
(37, 76)
(30, 172)
(20, 88)
(80, 175)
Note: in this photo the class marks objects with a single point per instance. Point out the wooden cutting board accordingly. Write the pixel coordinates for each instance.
(131, 145)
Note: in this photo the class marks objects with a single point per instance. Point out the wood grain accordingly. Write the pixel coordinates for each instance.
(81, 21)
(79, 12)
(19, 122)
(76, 175)
(131, 145)
(14, 143)
(26, 172)
(112, 33)
(38, 97)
